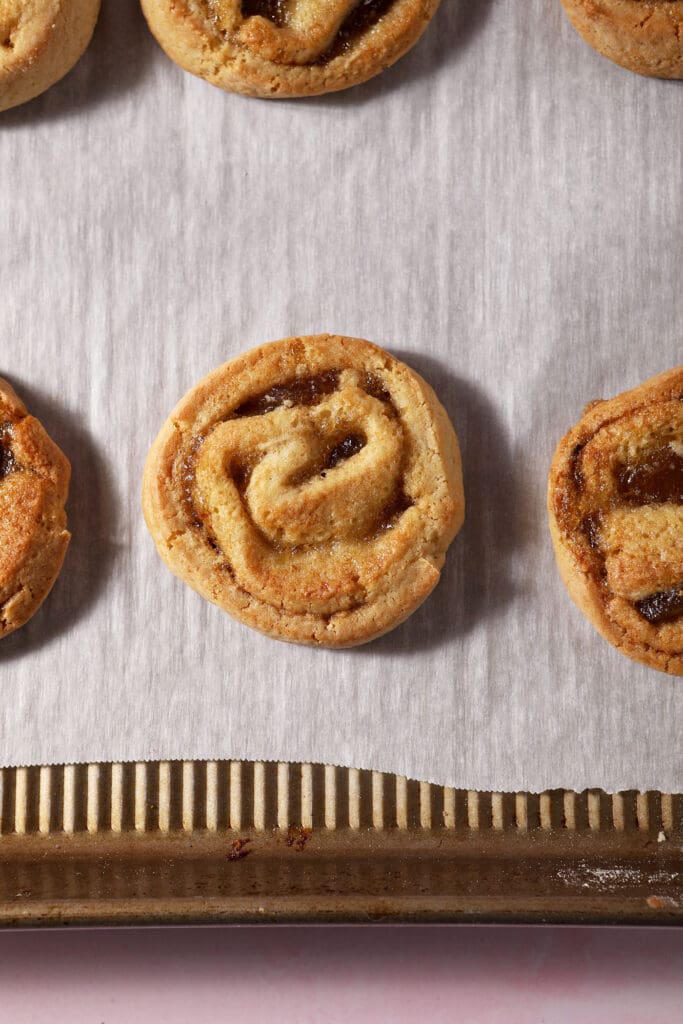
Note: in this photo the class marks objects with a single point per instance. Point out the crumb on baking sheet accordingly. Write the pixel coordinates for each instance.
(297, 837)
(238, 849)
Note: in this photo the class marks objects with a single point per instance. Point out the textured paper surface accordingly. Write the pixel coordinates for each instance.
(503, 211)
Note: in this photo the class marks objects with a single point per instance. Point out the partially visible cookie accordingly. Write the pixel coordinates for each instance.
(310, 488)
(34, 481)
(645, 36)
(40, 40)
(615, 499)
(287, 48)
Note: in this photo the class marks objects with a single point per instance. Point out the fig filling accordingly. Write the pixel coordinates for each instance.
(590, 525)
(658, 480)
(344, 450)
(665, 606)
(376, 388)
(577, 475)
(274, 10)
(337, 453)
(362, 18)
(241, 474)
(300, 391)
(8, 464)
(393, 512)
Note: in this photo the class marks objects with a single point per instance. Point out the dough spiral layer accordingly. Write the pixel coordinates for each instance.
(615, 499)
(287, 48)
(40, 41)
(310, 488)
(645, 36)
(34, 481)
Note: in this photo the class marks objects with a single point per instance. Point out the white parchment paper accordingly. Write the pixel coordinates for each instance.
(503, 210)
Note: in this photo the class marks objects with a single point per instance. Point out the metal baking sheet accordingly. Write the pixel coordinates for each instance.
(242, 842)
(530, 195)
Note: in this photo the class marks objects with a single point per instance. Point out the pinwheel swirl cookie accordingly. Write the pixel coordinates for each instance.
(34, 480)
(615, 499)
(287, 47)
(645, 36)
(310, 488)
(40, 40)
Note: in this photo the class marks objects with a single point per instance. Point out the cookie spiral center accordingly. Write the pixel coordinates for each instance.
(296, 498)
(313, 475)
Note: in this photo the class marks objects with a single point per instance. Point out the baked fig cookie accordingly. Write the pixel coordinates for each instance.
(310, 488)
(40, 40)
(645, 36)
(615, 498)
(286, 48)
(34, 481)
